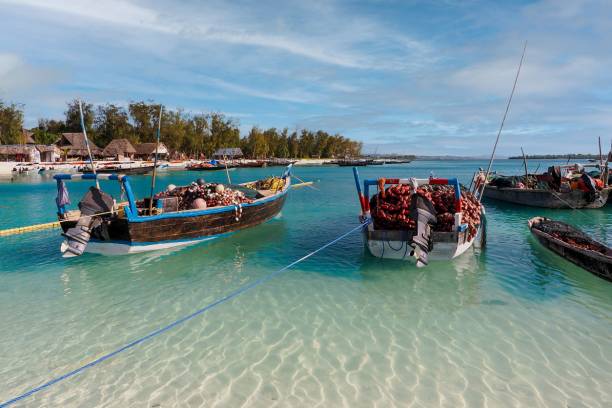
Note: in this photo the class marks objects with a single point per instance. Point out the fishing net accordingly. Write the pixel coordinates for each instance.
(212, 193)
(570, 235)
(390, 208)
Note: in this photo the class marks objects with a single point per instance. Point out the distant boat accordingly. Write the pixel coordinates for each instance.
(573, 245)
(128, 170)
(209, 166)
(352, 162)
(279, 162)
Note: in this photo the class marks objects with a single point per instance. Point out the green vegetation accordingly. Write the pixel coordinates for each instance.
(11, 123)
(193, 134)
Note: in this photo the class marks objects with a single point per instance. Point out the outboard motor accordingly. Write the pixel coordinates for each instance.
(423, 211)
(591, 187)
(77, 237)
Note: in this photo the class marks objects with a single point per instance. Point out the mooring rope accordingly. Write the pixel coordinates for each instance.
(184, 319)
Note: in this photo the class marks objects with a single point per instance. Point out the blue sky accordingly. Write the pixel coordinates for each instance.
(425, 77)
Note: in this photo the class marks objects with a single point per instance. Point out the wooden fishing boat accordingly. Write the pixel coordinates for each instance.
(420, 242)
(126, 170)
(208, 167)
(568, 186)
(255, 164)
(352, 162)
(547, 198)
(573, 245)
(102, 226)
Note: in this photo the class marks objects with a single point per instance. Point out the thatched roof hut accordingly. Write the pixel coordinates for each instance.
(27, 137)
(119, 148)
(74, 144)
(229, 152)
(19, 153)
(147, 150)
(49, 153)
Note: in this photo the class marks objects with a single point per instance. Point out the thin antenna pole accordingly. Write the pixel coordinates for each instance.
(525, 163)
(93, 166)
(502, 123)
(161, 107)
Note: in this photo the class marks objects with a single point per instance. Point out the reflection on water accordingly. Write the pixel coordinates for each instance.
(512, 324)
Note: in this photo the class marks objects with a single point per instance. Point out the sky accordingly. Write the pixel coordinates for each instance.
(404, 77)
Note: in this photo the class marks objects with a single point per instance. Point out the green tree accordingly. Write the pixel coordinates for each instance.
(112, 122)
(198, 135)
(47, 131)
(224, 131)
(11, 123)
(144, 119)
(73, 118)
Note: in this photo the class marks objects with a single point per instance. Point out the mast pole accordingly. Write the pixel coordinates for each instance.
(502, 124)
(155, 160)
(93, 166)
(525, 164)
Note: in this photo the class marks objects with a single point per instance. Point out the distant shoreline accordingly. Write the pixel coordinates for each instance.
(557, 156)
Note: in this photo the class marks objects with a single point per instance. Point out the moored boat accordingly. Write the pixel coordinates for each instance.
(126, 170)
(180, 216)
(213, 165)
(573, 245)
(559, 187)
(422, 218)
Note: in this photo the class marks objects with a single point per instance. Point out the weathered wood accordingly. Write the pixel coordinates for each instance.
(546, 198)
(595, 262)
(203, 226)
(185, 227)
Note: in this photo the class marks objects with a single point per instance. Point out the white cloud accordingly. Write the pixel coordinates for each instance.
(537, 77)
(17, 77)
(335, 41)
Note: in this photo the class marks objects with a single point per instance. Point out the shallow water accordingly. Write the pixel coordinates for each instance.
(512, 325)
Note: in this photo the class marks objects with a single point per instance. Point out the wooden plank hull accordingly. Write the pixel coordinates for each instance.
(545, 198)
(594, 262)
(178, 229)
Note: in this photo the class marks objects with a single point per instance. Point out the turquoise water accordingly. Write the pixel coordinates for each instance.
(512, 325)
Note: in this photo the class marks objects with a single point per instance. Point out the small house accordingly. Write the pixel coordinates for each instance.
(146, 151)
(119, 149)
(73, 145)
(49, 153)
(19, 153)
(228, 153)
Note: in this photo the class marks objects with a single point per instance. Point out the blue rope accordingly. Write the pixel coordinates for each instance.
(164, 329)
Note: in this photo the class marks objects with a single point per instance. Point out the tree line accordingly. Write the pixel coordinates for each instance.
(193, 134)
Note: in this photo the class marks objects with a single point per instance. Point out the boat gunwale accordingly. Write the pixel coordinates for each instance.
(212, 210)
(541, 234)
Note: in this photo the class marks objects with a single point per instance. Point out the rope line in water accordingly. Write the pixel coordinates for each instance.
(184, 319)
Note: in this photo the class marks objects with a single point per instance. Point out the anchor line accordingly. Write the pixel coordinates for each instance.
(235, 293)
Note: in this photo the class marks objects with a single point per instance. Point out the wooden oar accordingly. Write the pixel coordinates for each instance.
(304, 184)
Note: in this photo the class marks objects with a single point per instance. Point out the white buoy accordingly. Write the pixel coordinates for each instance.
(220, 188)
(198, 204)
(171, 187)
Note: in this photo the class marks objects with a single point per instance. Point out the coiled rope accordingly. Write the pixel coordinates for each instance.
(178, 322)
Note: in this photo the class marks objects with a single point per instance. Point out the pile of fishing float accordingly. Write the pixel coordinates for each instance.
(204, 195)
(271, 183)
(390, 208)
